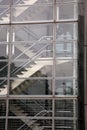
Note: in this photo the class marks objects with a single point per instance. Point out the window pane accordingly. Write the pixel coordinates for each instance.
(31, 87)
(65, 108)
(65, 68)
(2, 108)
(66, 87)
(66, 11)
(36, 108)
(32, 13)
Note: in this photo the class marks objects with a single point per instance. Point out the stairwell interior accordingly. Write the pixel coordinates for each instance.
(38, 64)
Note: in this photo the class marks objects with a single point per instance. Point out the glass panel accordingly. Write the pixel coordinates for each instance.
(3, 33)
(4, 2)
(3, 86)
(34, 33)
(66, 11)
(66, 48)
(2, 108)
(3, 67)
(65, 124)
(66, 108)
(3, 83)
(29, 68)
(69, 1)
(4, 13)
(2, 124)
(65, 68)
(32, 13)
(28, 124)
(31, 2)
(66, 31)
(36, 108)
(66, 87)
(4, 51)
(31, 50)
(31, 87)
(14, 124)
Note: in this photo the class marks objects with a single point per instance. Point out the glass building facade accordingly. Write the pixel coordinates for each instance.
(38, 65)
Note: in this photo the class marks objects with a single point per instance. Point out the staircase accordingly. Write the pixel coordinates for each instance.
(29, 123)
(39, 63)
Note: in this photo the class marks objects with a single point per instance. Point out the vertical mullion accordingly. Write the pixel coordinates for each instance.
(7, 110)
(54, 64)
(9, 63)
(74, 65)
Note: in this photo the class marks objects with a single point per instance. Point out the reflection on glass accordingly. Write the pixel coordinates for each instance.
(31, 87)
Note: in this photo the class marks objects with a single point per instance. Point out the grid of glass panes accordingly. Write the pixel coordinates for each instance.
(38, 64)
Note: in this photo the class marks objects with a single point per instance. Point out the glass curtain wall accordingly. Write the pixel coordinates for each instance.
(38, 64)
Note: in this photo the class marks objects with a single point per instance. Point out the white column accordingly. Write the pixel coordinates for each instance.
(13, 40)
(7, 50)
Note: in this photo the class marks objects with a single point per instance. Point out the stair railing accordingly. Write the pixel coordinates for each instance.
(30, 32)
(24, 64)
(27, 49)
(43, 112)
(33, 58)
(36, 102)
(30, 60)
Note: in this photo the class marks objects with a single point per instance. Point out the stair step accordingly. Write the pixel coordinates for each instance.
(27, 69)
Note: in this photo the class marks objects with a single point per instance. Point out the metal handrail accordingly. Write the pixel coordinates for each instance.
(29, 122)
(22, 54)
(31, 60)
(26, 50)
(29, 31)
(35, 103)
(22, 66)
